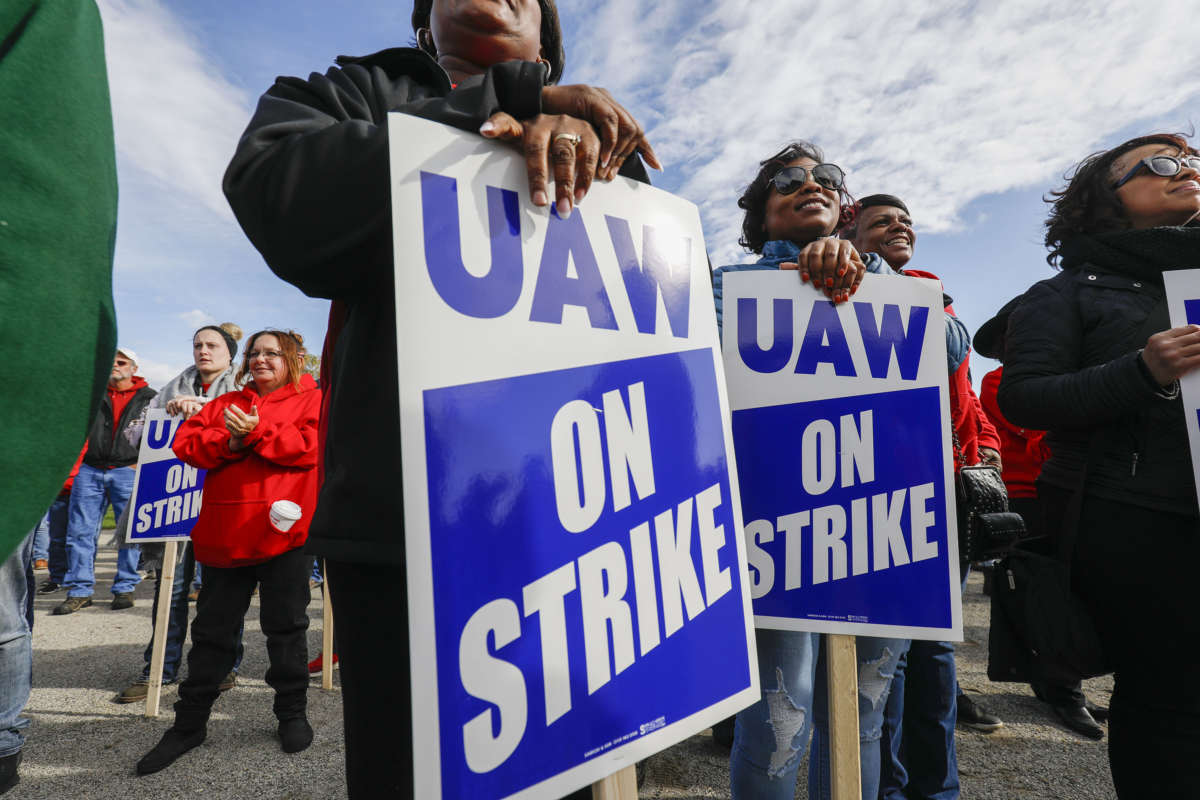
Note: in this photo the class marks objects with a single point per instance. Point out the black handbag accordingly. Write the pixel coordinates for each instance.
(986, 528)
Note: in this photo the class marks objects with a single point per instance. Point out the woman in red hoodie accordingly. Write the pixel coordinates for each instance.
(259, 446)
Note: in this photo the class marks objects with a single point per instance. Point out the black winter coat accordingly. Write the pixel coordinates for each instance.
(1071, 368)
(106, 451)
(309, 184)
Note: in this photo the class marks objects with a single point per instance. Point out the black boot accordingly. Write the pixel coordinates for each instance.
(173, 744)
(295, 734)
(8, 771)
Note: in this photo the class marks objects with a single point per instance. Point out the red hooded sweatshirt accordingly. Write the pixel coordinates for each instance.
(1022, 450)
(279, 462)
(967, 418)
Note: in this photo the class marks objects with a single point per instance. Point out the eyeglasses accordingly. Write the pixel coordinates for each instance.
(120, 362)
(789, 179)
(272, 354)
(1163, 166)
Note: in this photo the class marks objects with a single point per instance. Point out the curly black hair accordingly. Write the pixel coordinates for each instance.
(1088, 203)
(754, 197)
(552, 36)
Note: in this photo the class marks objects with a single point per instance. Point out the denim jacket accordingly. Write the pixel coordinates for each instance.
(777, 251)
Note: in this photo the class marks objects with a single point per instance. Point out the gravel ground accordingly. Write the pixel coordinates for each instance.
(82, 745)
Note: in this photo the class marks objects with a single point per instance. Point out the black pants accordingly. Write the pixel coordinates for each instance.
(1135, 568)
(224, 599)
(370, 615)
(1052, 692)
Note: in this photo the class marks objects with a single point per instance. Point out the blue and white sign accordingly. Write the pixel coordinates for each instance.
(1183, 304)
(167, 493)
(841, 424)
(577, 581)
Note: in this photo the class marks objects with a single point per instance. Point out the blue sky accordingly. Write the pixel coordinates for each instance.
(969, 111)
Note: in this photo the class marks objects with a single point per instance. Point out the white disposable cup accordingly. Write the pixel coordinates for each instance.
(284, 514)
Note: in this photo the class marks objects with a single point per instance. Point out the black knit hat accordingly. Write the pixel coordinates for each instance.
(989, 339)
(230, 342)
(552, 36)
(883, 200)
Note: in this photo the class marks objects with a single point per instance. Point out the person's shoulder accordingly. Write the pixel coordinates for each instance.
(921, 273)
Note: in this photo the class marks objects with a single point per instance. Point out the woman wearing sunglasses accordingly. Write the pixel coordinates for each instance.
(259, 446)
(1091, 358)
(793, 207)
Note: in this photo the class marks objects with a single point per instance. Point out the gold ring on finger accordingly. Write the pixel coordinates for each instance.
(573, 138)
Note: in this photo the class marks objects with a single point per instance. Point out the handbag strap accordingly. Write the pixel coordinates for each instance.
(1070, 527)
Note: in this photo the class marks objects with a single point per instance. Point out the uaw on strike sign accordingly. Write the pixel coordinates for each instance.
(167, 493)
(575, 565)
(841, 423)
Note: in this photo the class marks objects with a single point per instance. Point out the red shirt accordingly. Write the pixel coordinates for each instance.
(120, 398)
(1022, 450)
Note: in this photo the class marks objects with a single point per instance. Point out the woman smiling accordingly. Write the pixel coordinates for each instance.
(259, 446)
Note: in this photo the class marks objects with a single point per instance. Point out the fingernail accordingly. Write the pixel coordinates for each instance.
(841, 272)
(604, 163)
(804, 277)
(564, 208)
(579, 194)
(487, 127)
(829, 283)
(539, 198)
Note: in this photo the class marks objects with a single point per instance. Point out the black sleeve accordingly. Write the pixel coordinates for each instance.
(309, 180)
(1044, 387)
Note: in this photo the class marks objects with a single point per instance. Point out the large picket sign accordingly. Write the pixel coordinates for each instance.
(577, 582)
(841, 424)
(1183, 304)
(167, 493)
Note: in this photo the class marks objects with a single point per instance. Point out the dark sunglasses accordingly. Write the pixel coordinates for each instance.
(1164, 166)
(789, 179)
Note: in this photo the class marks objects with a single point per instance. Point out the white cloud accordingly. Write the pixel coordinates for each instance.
(196, 318)
(940, 105)
(157, 373)
(176, 118)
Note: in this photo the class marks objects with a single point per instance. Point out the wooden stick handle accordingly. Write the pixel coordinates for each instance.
(158, 651)
(841, 660)
(326, 634)
(621, 785)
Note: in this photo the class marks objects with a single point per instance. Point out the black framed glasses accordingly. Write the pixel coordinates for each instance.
(789, 179)
(1163, 166)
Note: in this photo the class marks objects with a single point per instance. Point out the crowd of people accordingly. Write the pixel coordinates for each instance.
(1085, 420)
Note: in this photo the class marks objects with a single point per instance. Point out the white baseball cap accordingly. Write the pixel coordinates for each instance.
(125, 351)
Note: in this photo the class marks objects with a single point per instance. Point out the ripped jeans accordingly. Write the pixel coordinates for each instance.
(770, 737)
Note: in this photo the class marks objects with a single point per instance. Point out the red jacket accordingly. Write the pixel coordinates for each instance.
(1022, 450)
(967, 418)
(278, 463)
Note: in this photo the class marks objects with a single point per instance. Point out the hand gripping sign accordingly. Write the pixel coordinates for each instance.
(841, 424)
(166, 492)
(576, 572)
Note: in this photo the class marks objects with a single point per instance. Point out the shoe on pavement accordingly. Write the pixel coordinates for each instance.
(1099, 713)
(295, 734)
(134, 692)
(976, 717)
(1079, 720)
(173, 744)
(41, 564)
(122, 600)
(229, 681)
(48, 587)
(314, 666)
(8, 771)
(72, 604)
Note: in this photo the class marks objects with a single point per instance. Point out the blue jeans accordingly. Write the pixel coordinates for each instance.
(57, 534)
(877, 659)
(41, 539)
(770, 736)
(177, 626)
(920, 761)
(94, 490)
(16, 647)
